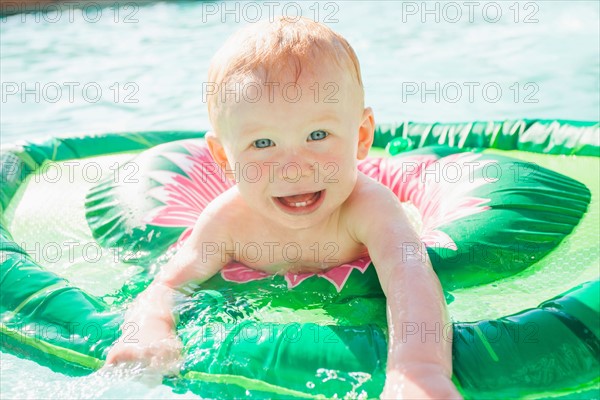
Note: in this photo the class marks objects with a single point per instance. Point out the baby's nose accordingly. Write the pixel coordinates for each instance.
(296, 167)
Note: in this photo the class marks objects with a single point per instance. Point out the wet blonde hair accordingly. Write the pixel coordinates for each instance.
(272, 51)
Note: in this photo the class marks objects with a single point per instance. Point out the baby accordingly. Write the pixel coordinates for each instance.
(287, 98)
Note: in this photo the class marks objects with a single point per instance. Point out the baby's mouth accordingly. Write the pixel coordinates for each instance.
(300, 203)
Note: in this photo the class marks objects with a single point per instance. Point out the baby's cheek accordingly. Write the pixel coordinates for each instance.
(268, 173)
(249, 173)
(338, 171)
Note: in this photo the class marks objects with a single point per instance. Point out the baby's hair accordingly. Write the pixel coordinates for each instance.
(272, 51)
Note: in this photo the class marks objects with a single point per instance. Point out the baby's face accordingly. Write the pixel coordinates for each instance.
(294, 147)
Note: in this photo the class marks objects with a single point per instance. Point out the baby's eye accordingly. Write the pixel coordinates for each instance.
(318, 135)
(263, 143)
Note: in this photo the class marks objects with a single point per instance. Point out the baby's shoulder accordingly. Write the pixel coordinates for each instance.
(226, 207)
(371, 207)
(368, 192)
(220, 217)
(368, 203)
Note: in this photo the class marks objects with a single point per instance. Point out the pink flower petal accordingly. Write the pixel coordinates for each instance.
(419, 180)
(361, 264)
(438, 239)
(240, 273)
(172, 216)
(185, 196)
(338, 276)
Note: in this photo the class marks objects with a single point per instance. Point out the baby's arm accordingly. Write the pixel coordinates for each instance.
(154, 342)
(419, 361)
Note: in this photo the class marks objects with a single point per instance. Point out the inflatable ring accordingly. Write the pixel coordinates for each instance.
(490, 218)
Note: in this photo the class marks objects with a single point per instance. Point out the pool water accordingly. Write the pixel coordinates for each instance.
(150, 74)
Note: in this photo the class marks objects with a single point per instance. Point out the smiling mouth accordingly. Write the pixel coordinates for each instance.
(300, 203)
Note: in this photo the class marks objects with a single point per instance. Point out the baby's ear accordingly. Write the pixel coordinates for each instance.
(365, 134)
(217, 151)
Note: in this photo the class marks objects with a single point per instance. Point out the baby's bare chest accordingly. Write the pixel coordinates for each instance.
(274, 254)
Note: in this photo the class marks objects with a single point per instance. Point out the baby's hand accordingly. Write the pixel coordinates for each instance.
(422, 382)
(162, 355)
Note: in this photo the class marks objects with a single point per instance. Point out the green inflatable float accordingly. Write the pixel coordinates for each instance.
(494, 225)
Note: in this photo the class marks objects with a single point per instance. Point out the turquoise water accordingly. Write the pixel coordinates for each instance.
(154, 59)
(157, 65)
